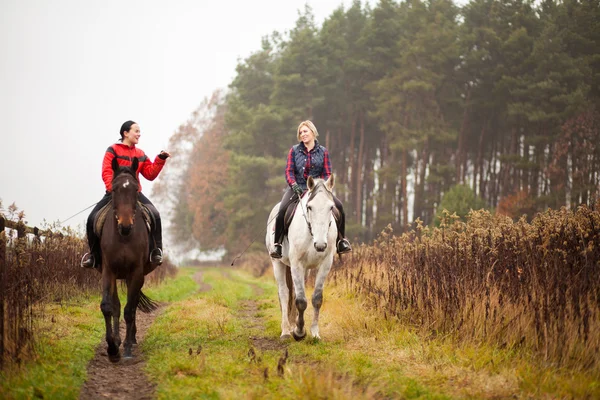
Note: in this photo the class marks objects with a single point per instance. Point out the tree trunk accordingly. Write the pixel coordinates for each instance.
(461, 159)
(359, 170)
(479, 164)
(351, 161)
(369, 185)
(420, 183)
(404, 191)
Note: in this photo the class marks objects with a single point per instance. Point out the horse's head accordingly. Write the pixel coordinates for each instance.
(319, 209)
(125, 195)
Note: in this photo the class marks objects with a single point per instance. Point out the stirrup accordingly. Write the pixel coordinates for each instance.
(156, 256)
(343, 246)
(277, 252)
(88, 261)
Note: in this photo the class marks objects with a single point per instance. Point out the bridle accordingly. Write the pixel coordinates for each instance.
(304, 215)
(135, 205)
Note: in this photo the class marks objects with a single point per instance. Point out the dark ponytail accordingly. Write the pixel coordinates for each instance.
(126, 127)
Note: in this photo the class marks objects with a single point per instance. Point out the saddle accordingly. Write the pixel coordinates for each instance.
(291, 210)
(100, 217)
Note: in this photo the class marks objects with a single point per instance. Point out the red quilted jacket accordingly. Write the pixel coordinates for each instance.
(125, 155)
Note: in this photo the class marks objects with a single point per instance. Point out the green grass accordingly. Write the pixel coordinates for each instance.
(65, 346)
(362, 354)
(63, 351)
(223, 369)
(174, 289)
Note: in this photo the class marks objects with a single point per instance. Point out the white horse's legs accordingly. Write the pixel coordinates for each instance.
(301, 302)
(317, 298)
(279, 270)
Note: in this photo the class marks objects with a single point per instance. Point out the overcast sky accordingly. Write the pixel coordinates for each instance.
(72, 71)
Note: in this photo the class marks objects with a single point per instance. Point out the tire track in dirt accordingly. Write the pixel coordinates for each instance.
(249, 313)
(125, 379)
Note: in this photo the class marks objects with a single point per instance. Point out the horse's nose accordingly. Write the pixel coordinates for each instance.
(125, 230)
(320, 246)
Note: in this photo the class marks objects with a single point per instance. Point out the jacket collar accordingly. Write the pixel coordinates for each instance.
(303, 149)
(132, 147)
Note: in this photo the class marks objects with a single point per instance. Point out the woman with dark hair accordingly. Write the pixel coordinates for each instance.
(125, 151)
(307, 158)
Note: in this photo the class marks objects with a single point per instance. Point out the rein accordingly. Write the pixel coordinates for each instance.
(304, 215)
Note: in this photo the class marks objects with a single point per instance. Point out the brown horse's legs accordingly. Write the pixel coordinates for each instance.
(134, 286)
(116, 316)
(109, 287)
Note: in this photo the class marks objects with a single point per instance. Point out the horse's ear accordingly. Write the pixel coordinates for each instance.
(310, 183)
(115, 165)
(135, 164)
(330, 182)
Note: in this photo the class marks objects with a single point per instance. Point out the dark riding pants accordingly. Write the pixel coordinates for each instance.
(288, 198)
(157, 228)
(94, 241)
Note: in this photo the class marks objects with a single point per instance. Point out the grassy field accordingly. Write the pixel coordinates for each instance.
(231, 330)
(362, 354)
(68, 336)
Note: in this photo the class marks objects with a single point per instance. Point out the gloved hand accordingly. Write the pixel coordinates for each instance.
(297, 189)
(164, 155)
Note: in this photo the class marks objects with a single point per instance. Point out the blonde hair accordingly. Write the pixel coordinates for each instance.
(310, 126)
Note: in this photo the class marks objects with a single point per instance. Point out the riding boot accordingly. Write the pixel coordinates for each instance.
(88, 261)
(156, 255)
(277, 252)
(343, 246)
(93, 259)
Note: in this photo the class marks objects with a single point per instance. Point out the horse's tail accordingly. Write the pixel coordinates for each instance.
(146, 304)
(291, 305)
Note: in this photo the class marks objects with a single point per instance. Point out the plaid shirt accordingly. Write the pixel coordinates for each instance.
(302, 163)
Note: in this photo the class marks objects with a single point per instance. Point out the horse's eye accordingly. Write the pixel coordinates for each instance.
(309, 208)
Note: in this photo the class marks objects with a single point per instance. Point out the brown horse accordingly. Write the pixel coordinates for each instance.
(124, 244)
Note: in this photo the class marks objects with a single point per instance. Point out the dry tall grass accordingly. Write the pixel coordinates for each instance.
(514, 284)
(38, 272)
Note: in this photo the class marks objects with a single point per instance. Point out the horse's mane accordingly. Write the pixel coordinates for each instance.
(125, 170)
(319, 187)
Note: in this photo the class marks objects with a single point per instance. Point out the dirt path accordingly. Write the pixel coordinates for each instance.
(249, 312)
(125, 379)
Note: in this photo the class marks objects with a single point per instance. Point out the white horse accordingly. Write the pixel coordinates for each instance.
(310, 244)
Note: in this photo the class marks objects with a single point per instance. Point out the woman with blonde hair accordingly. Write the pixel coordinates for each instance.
(307, 158)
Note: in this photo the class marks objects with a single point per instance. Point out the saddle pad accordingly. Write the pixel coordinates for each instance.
(100, 217)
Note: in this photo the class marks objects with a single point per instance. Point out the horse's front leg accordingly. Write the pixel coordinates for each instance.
(301, 303)
(109, 287)
(279, 270)
(116, 316)
(134, 286)
(317, 297)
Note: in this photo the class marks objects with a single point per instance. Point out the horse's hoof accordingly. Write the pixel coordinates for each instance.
(287, 336)
(114, 358)
(299, 337)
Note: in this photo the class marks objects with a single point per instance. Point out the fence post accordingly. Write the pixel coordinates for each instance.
(2, 286)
